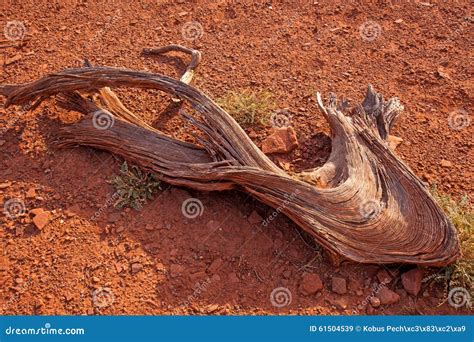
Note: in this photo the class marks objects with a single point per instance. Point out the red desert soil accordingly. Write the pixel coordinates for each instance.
(157, 261)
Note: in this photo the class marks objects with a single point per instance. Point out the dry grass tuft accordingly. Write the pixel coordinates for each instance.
(249, 107)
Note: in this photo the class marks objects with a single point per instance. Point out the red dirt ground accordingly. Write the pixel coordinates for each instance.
(421, 56)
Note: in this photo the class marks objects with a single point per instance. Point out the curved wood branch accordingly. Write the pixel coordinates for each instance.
(371, 208)
(188, 74)
(190, 70)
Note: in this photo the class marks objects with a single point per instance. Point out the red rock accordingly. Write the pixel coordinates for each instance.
(402, 293)
(354, 285)
(4, 264)
(68, 297)
(41, 217)
(36, 211)
(255, 218)
(176, 270)
(311, 283)
(341, 303)
(160, 267)
(411, 281)
(446, 163)
(215, 265)
(136, 267)
(374, 301)
(212, 308)
(387, 296)
(73, 210)
(442, 72)
(251, 133)
(233, 279)
(383, 276)
(339, 285)
(31, 193)
(13, 59)
(198, 276)
(281, 141)
(371, 270)
(5, 185)
(148, 226)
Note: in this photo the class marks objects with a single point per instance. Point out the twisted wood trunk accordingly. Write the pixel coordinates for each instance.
(364, 204)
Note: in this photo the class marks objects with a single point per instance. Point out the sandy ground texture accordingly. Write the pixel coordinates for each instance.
(89, 258)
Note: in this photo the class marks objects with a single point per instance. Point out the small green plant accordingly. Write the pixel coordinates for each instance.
(249, 107)
(460, 273)
(134, 186)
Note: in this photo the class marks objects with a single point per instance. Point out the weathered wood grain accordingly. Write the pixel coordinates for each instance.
(363, 205)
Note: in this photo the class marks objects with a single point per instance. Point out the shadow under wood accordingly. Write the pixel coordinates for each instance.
(173, 107)
(316, 150)
(167, 114)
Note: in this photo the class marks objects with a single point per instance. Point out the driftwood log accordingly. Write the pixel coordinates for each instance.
(364, 204)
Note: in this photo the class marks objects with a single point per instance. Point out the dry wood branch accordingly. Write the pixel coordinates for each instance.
(369, 207)
(190, 70)
(188, 74)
